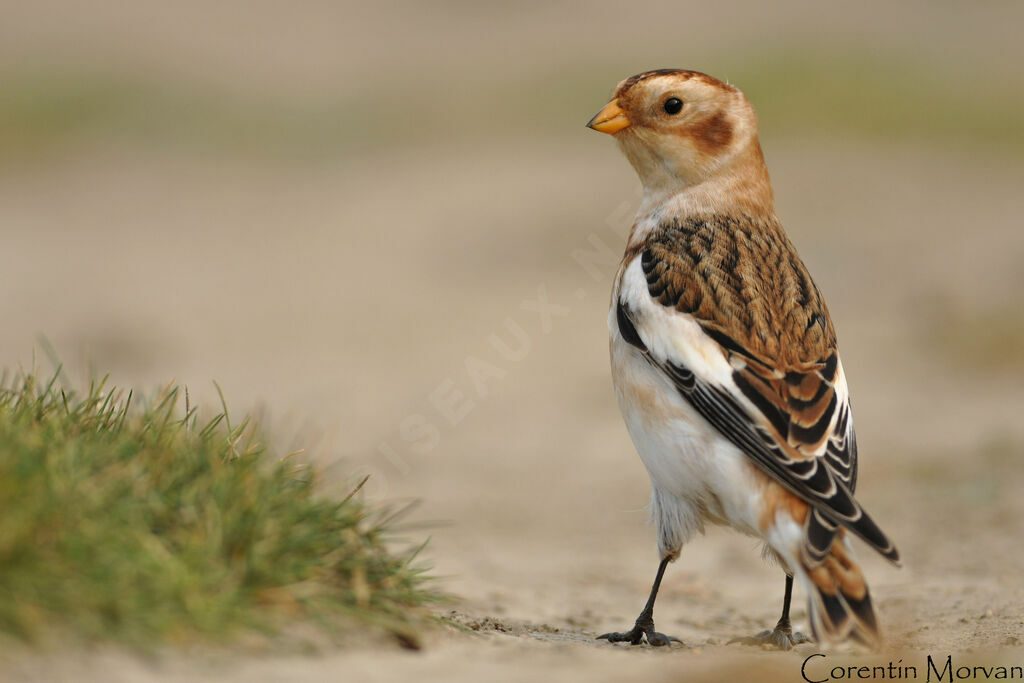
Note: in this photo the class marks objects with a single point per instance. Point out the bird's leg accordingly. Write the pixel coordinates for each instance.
(782, 637)
(644, 626)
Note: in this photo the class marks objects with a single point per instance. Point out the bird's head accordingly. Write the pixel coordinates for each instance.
(679, 128)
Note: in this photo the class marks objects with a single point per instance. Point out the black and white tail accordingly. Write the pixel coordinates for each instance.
(840, 603)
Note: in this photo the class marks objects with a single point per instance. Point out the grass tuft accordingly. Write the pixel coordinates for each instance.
(145, 525)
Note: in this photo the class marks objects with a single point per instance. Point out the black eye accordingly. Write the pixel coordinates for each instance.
(673, 105)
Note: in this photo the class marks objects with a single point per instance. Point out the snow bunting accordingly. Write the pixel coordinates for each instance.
(724, 357)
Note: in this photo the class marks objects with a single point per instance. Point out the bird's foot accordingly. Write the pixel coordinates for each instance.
(643, 628)
(782, 638)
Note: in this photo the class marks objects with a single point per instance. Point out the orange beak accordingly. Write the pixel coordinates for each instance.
(609, 120)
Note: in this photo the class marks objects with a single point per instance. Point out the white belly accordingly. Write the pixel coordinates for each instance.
(697, 476)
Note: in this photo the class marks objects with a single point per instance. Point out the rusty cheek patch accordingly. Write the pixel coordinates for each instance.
(712, 134)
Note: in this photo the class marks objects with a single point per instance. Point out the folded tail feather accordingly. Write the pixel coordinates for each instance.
(840, 603)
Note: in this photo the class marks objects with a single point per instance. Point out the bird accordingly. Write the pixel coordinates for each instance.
(725, 360)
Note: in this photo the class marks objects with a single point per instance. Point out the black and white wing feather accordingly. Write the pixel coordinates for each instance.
(721, 339)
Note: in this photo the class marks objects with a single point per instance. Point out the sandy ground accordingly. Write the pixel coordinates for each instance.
(432, 312)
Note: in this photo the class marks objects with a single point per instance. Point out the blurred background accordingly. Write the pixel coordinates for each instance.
(385, 227)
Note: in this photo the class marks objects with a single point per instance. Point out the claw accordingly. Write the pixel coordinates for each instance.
(660, 639)
(637, 634)
(779, 639)
(643, 627)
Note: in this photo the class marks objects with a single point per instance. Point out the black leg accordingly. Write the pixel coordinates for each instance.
(644, 626)
(784, 619)
(782, 637)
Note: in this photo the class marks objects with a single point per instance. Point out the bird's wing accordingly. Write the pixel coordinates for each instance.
(692, 319)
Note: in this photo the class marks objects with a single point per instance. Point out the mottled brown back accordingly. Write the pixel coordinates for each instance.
(742, 278)
(743, 281)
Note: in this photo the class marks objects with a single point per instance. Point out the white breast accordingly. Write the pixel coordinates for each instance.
(696, 474)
